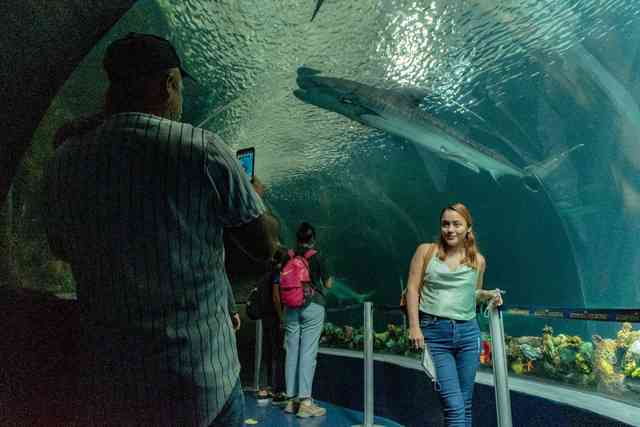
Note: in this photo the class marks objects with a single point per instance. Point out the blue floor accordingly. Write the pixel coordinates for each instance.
(274, 416)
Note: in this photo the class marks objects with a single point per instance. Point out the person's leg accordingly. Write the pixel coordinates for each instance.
(292, 345)
(311, 329)
(467, 361)
(438, 335)
(268, 334)
(278, 356)
(232, 413)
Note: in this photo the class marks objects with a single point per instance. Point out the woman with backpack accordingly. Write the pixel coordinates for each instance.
(300, 290)
(444, 286)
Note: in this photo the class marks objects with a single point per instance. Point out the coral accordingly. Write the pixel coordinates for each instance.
(609, 364)
(517, 367)
(626, 336)
(530, 352)
(604, 364)
(583, 363)
(629, 367)
(485, 352)
(549, 349)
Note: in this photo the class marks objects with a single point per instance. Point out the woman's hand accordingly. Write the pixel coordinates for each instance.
(416, 338)
(496, 298)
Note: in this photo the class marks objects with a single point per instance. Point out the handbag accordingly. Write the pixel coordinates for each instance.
(427, 259)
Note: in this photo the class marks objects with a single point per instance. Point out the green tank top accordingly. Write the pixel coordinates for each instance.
(447, 293)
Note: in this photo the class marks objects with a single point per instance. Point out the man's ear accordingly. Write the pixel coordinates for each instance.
(172, 85)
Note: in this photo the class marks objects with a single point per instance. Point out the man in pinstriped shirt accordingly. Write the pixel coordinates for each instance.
(137, 204)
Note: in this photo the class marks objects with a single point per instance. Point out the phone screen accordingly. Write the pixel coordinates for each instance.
(246, 156)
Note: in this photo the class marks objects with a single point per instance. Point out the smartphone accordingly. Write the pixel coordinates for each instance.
(247, 159)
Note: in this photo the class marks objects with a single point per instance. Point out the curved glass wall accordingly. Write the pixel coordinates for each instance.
(526, 111)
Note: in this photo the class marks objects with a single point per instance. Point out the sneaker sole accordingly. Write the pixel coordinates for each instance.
(292, 411)
(307, 415)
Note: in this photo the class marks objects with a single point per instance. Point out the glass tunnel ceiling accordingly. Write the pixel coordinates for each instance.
(549, 88)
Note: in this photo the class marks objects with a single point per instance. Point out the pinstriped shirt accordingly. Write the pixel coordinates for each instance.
(138, 207)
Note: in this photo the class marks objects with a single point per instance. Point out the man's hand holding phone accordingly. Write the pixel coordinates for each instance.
(247, 159)
(258, 186)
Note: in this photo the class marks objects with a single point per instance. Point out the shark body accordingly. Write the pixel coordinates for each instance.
(343, 293)
(398, 111)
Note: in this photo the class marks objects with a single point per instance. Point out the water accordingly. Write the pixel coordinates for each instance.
(527, 79)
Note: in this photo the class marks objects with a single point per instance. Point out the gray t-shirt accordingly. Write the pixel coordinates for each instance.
(138, 207)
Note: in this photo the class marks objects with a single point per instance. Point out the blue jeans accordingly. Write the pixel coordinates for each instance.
(455, 349)
(232, 413)
(303, 327)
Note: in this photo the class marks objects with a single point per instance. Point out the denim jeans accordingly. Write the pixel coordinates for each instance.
(273, 354)
(302, 337)
(455, 349)
(232, 413)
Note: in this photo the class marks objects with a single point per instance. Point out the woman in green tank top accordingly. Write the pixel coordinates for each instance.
(444, 285)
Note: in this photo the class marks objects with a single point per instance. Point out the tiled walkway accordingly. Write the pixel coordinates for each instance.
(274, 416)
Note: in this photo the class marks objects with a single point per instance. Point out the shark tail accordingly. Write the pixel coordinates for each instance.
(538, 171)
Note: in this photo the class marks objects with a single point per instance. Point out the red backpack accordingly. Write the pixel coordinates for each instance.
(296, 288)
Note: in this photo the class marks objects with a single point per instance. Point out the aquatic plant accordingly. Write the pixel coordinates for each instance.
(626, 336)
(612, 365)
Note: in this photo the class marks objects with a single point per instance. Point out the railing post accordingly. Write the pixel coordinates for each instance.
(500, 373)
(368, 366)
(258, 356)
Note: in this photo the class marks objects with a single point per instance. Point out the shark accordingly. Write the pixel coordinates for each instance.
(344, 294)
(401, 112)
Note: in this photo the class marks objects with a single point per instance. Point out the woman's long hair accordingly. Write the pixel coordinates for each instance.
(470, 245)
(306, 235)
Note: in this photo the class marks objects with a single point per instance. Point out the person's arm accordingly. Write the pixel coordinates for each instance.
(328, 283)
(276, 300)
(483, 295)
(322, 275)
(413, 294)
(257, 239)
(235, 316)
(51, 213)
(238, 205)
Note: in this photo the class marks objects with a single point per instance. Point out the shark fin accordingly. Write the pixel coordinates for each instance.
(307, 71)
(315, 12)
(436, 168)
(494, 174)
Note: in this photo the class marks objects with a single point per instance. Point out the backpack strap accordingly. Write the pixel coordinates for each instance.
(427, 259)
(309, 254)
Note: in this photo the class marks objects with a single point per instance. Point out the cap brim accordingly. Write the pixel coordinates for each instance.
(186, 75)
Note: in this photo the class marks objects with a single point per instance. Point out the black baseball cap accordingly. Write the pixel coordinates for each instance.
(138, 54)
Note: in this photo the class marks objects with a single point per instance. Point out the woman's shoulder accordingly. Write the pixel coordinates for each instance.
(482, 262)
(425, 247)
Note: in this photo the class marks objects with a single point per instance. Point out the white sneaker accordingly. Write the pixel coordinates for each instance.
(309, 409)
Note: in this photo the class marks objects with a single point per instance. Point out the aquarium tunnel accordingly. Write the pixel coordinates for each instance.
(367, 118)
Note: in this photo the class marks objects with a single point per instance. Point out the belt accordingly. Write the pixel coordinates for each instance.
(424, 315)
